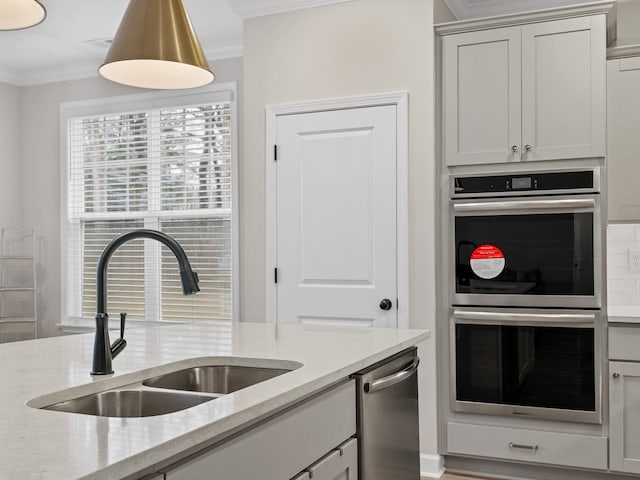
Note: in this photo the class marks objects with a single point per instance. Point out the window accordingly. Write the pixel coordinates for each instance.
(163, 161)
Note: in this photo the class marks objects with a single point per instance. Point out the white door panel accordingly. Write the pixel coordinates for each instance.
(336, 216)
(563, 75)
(482, 96)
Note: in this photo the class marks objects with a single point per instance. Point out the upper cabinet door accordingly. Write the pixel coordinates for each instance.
(623, 117)
(564, 89)
(481, 102)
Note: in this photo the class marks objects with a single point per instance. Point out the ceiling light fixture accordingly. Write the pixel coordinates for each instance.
(17, 14)
(156, 47)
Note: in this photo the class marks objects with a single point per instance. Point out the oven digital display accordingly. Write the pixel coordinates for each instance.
(521, 183)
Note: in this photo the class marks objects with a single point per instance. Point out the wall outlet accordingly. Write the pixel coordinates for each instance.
(634, 261)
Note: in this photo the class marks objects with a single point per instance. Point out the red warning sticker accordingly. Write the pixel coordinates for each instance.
(487, 261)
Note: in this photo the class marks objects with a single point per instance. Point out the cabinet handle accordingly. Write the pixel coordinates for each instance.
(514, 149)
(616, 375)
(528, 148)
(521, 446)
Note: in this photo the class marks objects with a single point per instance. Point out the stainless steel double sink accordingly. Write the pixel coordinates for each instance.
(170, 392)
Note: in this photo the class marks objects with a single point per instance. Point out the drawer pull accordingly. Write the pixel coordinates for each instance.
(523, 447)
(616, 375)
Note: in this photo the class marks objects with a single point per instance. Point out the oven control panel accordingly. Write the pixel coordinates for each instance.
(529, 183)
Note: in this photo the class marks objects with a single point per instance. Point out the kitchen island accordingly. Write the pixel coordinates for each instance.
(43, 444)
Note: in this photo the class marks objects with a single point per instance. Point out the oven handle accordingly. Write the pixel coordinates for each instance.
(529, 318)
(551, 204)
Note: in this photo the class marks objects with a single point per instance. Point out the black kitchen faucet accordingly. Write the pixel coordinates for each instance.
(103, 352)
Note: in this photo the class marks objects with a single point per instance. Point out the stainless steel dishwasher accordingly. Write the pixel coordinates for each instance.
(387, 415)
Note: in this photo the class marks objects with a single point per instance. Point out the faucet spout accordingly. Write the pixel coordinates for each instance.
(103, 351)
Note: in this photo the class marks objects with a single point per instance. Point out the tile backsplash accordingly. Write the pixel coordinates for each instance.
(623, 279)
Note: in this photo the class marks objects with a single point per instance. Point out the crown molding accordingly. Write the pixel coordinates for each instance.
(600, 7)
(77, 71)
(466, 9)
(9, 77)
(259, 8)
(623, 51)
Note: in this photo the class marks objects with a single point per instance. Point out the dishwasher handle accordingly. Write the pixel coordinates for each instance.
(394, 378)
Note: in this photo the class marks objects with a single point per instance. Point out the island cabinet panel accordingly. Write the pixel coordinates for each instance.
(340, 464)
(535, 446)
(282, 447)
(624, 417)
(525, 93)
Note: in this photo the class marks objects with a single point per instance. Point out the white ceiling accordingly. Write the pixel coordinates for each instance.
(59, 48)
(70, 42)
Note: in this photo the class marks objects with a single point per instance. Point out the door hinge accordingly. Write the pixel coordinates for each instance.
(275, 275)
(275, 153)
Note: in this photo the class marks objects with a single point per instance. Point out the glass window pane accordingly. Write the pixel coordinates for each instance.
(125, 273)
(207, 243)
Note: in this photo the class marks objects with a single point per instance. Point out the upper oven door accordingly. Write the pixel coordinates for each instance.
(532, 252)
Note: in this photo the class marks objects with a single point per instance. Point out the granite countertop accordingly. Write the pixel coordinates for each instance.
(43, 444)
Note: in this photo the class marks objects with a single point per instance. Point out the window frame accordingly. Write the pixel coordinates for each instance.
(220, 92)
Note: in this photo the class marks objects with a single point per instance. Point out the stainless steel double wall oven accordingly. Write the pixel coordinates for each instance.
(525, 323)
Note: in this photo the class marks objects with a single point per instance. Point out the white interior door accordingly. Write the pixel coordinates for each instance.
(336, 246)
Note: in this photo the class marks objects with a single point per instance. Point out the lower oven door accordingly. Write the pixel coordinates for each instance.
(527, 363)
(527, 252)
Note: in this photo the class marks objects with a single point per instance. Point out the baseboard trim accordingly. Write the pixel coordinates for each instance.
(431, 466)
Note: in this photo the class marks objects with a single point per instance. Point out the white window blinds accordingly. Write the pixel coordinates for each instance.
(166, 168)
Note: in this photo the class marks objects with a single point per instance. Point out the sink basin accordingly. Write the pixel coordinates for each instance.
(130, 403)
(220, 379)
(170, 392)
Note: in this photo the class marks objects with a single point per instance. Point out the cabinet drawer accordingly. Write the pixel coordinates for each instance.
(535, 446)
(281, 447)
(623, 342)
(339, 464)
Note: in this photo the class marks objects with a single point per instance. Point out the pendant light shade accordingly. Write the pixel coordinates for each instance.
(17, 14)
(156, 47)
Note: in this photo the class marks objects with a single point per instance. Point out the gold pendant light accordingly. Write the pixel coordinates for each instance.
(156, 47)
(17, 14)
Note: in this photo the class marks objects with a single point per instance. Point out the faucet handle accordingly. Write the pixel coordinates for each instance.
(120, 343)
(123, 318)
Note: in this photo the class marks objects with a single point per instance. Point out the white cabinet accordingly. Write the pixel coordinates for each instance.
(525, 93)
(623, 118)
(284, 446)
(339, 464)
(624, 417)
(482, 91)
(624, 398)
(526, 445)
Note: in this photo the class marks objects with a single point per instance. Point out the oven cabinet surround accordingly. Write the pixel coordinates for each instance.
(273, 449)
(624, 398)
(623, 119)
(524, 93)
(528, 445)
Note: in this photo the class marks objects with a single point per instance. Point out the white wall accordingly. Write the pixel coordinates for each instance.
(10, 200)
(441, 12)
(628, 19)
(352, 48)
(39, 183)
